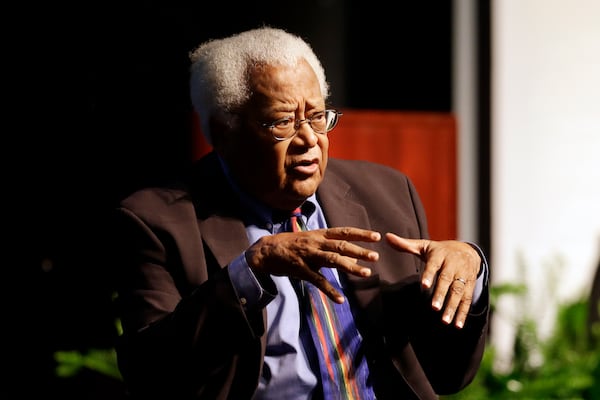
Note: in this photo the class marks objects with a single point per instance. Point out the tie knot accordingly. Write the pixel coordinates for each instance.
(296, 221)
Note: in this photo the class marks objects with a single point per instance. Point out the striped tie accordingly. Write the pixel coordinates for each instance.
(343, 366)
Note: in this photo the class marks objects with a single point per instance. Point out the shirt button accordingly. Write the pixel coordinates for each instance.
(269, 226)
(243, 301)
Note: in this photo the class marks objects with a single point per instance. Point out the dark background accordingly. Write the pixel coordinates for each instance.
(102, 92)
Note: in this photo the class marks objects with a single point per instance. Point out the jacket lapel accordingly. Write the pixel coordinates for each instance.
(217, 208)
(226, 237)
(340, 210)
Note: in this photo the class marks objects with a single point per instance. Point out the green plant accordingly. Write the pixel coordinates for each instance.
(69, 363)
(564, 366)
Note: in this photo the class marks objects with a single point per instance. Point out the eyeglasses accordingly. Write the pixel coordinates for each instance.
(286, 128)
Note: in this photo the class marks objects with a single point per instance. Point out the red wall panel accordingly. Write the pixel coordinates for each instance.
(420, 144)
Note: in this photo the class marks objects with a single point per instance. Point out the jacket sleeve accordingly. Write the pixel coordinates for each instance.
(185, 333)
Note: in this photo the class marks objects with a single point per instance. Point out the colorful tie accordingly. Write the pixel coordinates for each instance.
(342, 363)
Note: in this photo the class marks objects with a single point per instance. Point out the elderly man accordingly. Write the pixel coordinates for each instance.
(268, 271)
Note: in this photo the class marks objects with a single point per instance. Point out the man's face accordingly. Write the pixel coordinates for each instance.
(280, 173)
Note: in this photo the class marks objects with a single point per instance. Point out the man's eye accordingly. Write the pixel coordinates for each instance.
(283, 123)
(318, 117)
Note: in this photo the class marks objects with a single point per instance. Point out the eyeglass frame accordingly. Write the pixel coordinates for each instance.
(297, 123)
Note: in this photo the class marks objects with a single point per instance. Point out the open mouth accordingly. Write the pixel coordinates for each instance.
(306, 167)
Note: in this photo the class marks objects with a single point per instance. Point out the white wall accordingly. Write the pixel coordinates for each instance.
(545, 155)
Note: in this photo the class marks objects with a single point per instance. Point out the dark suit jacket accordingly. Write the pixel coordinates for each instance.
(186, 335)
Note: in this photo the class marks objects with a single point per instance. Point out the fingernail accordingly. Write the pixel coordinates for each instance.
(437, 305)
(460, 324)
(374, 256)
(447, 319)
(365, 272)
(426, 283)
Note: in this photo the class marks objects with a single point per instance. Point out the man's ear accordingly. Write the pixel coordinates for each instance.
(222, 128)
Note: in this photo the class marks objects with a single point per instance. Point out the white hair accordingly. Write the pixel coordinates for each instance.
(219, 69)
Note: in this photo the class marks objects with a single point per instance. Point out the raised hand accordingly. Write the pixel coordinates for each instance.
(453, 266)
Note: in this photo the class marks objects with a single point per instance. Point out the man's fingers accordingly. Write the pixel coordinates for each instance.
(419, 248)
(335, 251)
(458, 302)
(414, 246)
(317, 279)
(352, 234)
(329, 248)
(451, 268)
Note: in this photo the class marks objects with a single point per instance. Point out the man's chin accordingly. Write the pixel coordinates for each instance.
(305, 188)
